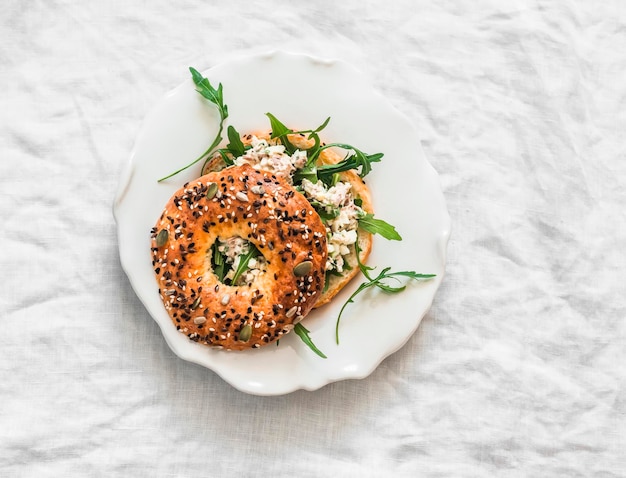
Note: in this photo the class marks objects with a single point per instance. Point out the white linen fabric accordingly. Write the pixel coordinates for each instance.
(517, 370)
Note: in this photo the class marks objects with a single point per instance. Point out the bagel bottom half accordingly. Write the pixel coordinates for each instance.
(273, 217)
(335, 283)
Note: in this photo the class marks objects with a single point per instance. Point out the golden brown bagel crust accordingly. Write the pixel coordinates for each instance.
(279, 221)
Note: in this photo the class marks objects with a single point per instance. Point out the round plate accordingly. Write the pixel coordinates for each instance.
(301, 91)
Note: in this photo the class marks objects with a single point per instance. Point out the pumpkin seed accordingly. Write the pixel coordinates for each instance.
(303, 268)
(161, 238)
(195, 304)
(211, 191)
(245, 333)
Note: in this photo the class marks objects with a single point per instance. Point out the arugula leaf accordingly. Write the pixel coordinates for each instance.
(280, 132)
(307, 172)
(319, 128)
(328, 173)
(377, 282)
(364, 268)
(313, 134)
(326, 215)
(377, 226)
(203, 86)
(236, 146)
(223, 153)
(357, 160)
(244, 259)
(325, 212)
(328, 275)
(218, 262)
(215, 96)
(303, 333)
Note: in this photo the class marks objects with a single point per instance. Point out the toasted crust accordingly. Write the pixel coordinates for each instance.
(283, 226)
(360, 189)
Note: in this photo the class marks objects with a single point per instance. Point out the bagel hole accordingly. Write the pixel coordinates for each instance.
(236, 261)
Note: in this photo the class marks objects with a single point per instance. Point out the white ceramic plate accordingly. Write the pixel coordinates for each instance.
(301, 91)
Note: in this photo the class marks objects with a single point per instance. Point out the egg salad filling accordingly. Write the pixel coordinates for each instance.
(272, 158)
(340, 215)
(229, 256)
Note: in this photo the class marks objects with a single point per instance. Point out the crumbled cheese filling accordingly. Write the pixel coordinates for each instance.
(272, 158)
(340, 230)
(233, 249)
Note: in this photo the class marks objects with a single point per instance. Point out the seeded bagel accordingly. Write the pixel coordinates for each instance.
(271, 215)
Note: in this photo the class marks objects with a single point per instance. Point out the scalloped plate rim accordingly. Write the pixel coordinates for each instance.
(190, 353)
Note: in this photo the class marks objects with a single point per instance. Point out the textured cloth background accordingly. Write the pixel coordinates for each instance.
(517, 370)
